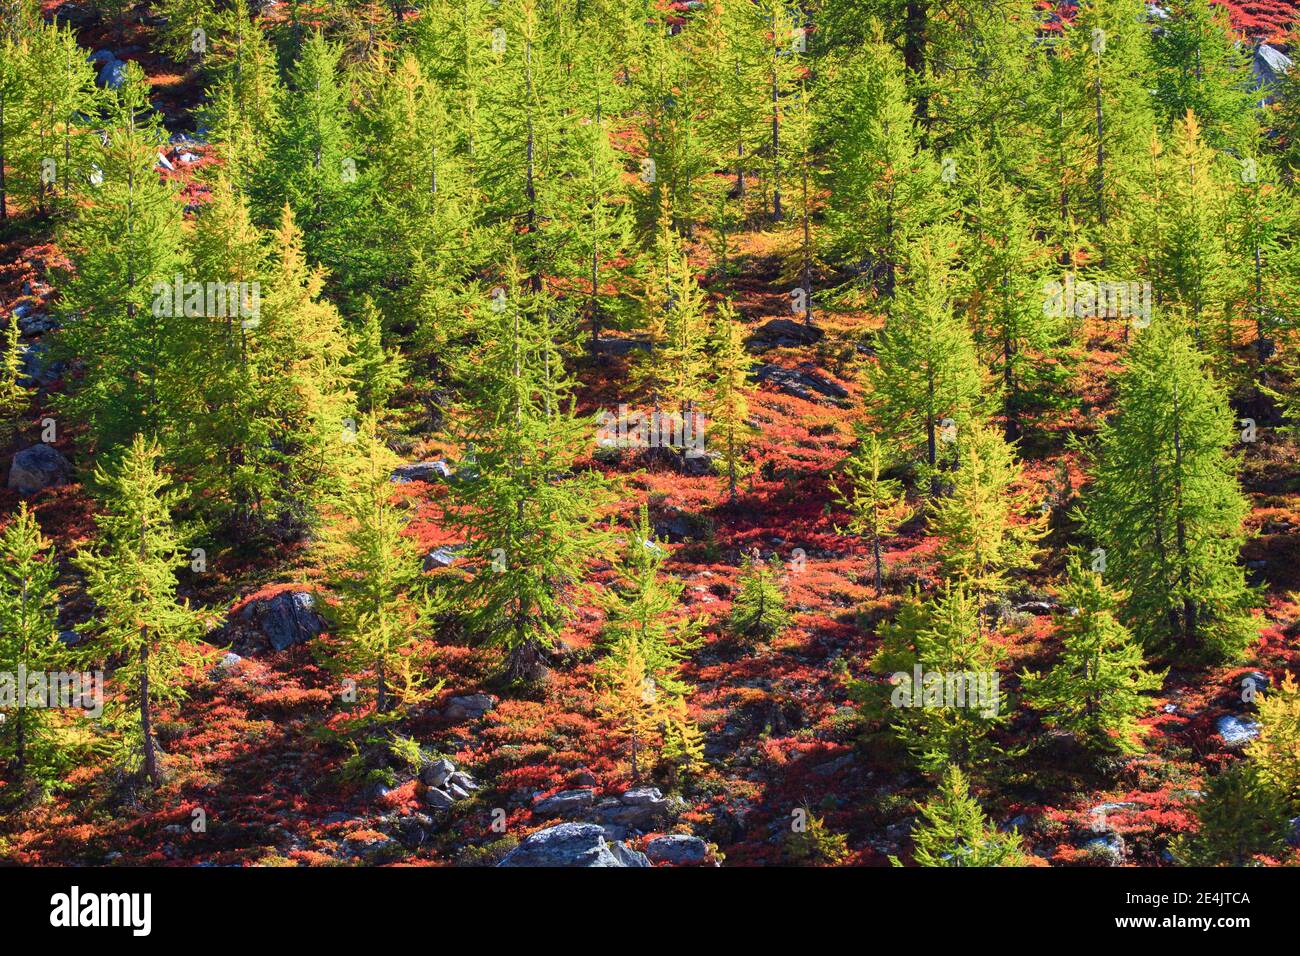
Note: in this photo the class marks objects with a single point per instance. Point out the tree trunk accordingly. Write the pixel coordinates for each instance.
(776, 148)
(146, 717)
(916, 21)
(880, 574)
(4, 194)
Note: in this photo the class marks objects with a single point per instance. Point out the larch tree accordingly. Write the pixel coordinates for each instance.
(1165, 506)
(882, 182)
(1108, 59)
(124, 247)
(876, 504)
(309, 164)
(130, 574)
(1262, 215)
(1194, 265)
(60, 92)
(1276, 751)
(1201, 67)
(953, 830)
(242, 108)
(15, 113)
(949, 715)
(376, 574)
(628, 701)
(298, 350)
(785, 44)
(1021, 340)
(220, 426)
(377, 371)
(528, 517)
(730, 34)
(14, 395)
(1099, 686)
(926, 384)
(727, 406)
(758, 611)
(644, 609)
(1239, 819)
(985, 521)
(29, 642)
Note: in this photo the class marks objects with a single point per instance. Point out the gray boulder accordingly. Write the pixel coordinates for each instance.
(32, 321)
(287, 618)
(572, 845)
(463, 780)
(801, 384)
(565, 802)
(112, 75)
(1236, 731)
(677, 849)
(440, 558)
(438, 773)
(642, 797)
(639, 809)
(1269, 65)
(471, 706)
(422, 471)
(224, 666)
(439, 799)
(38, 467)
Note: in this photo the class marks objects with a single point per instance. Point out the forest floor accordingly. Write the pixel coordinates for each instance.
(781, 728)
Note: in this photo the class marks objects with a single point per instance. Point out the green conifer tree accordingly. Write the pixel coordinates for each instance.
(985, 521)
(1165, 505)
(131, 575)
(758, 611)
(1239, 819)
(376, 574)
(29, 642)
(926, 384)
(953, 831)
(876, 504)
(1096, 690)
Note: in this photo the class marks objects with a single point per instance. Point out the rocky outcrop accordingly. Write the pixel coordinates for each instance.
(801, 384)
(445, 786)
(783, 333)
(573, 845)
(677, 849)
(285, 619)
(427, 471)
(565, 802)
